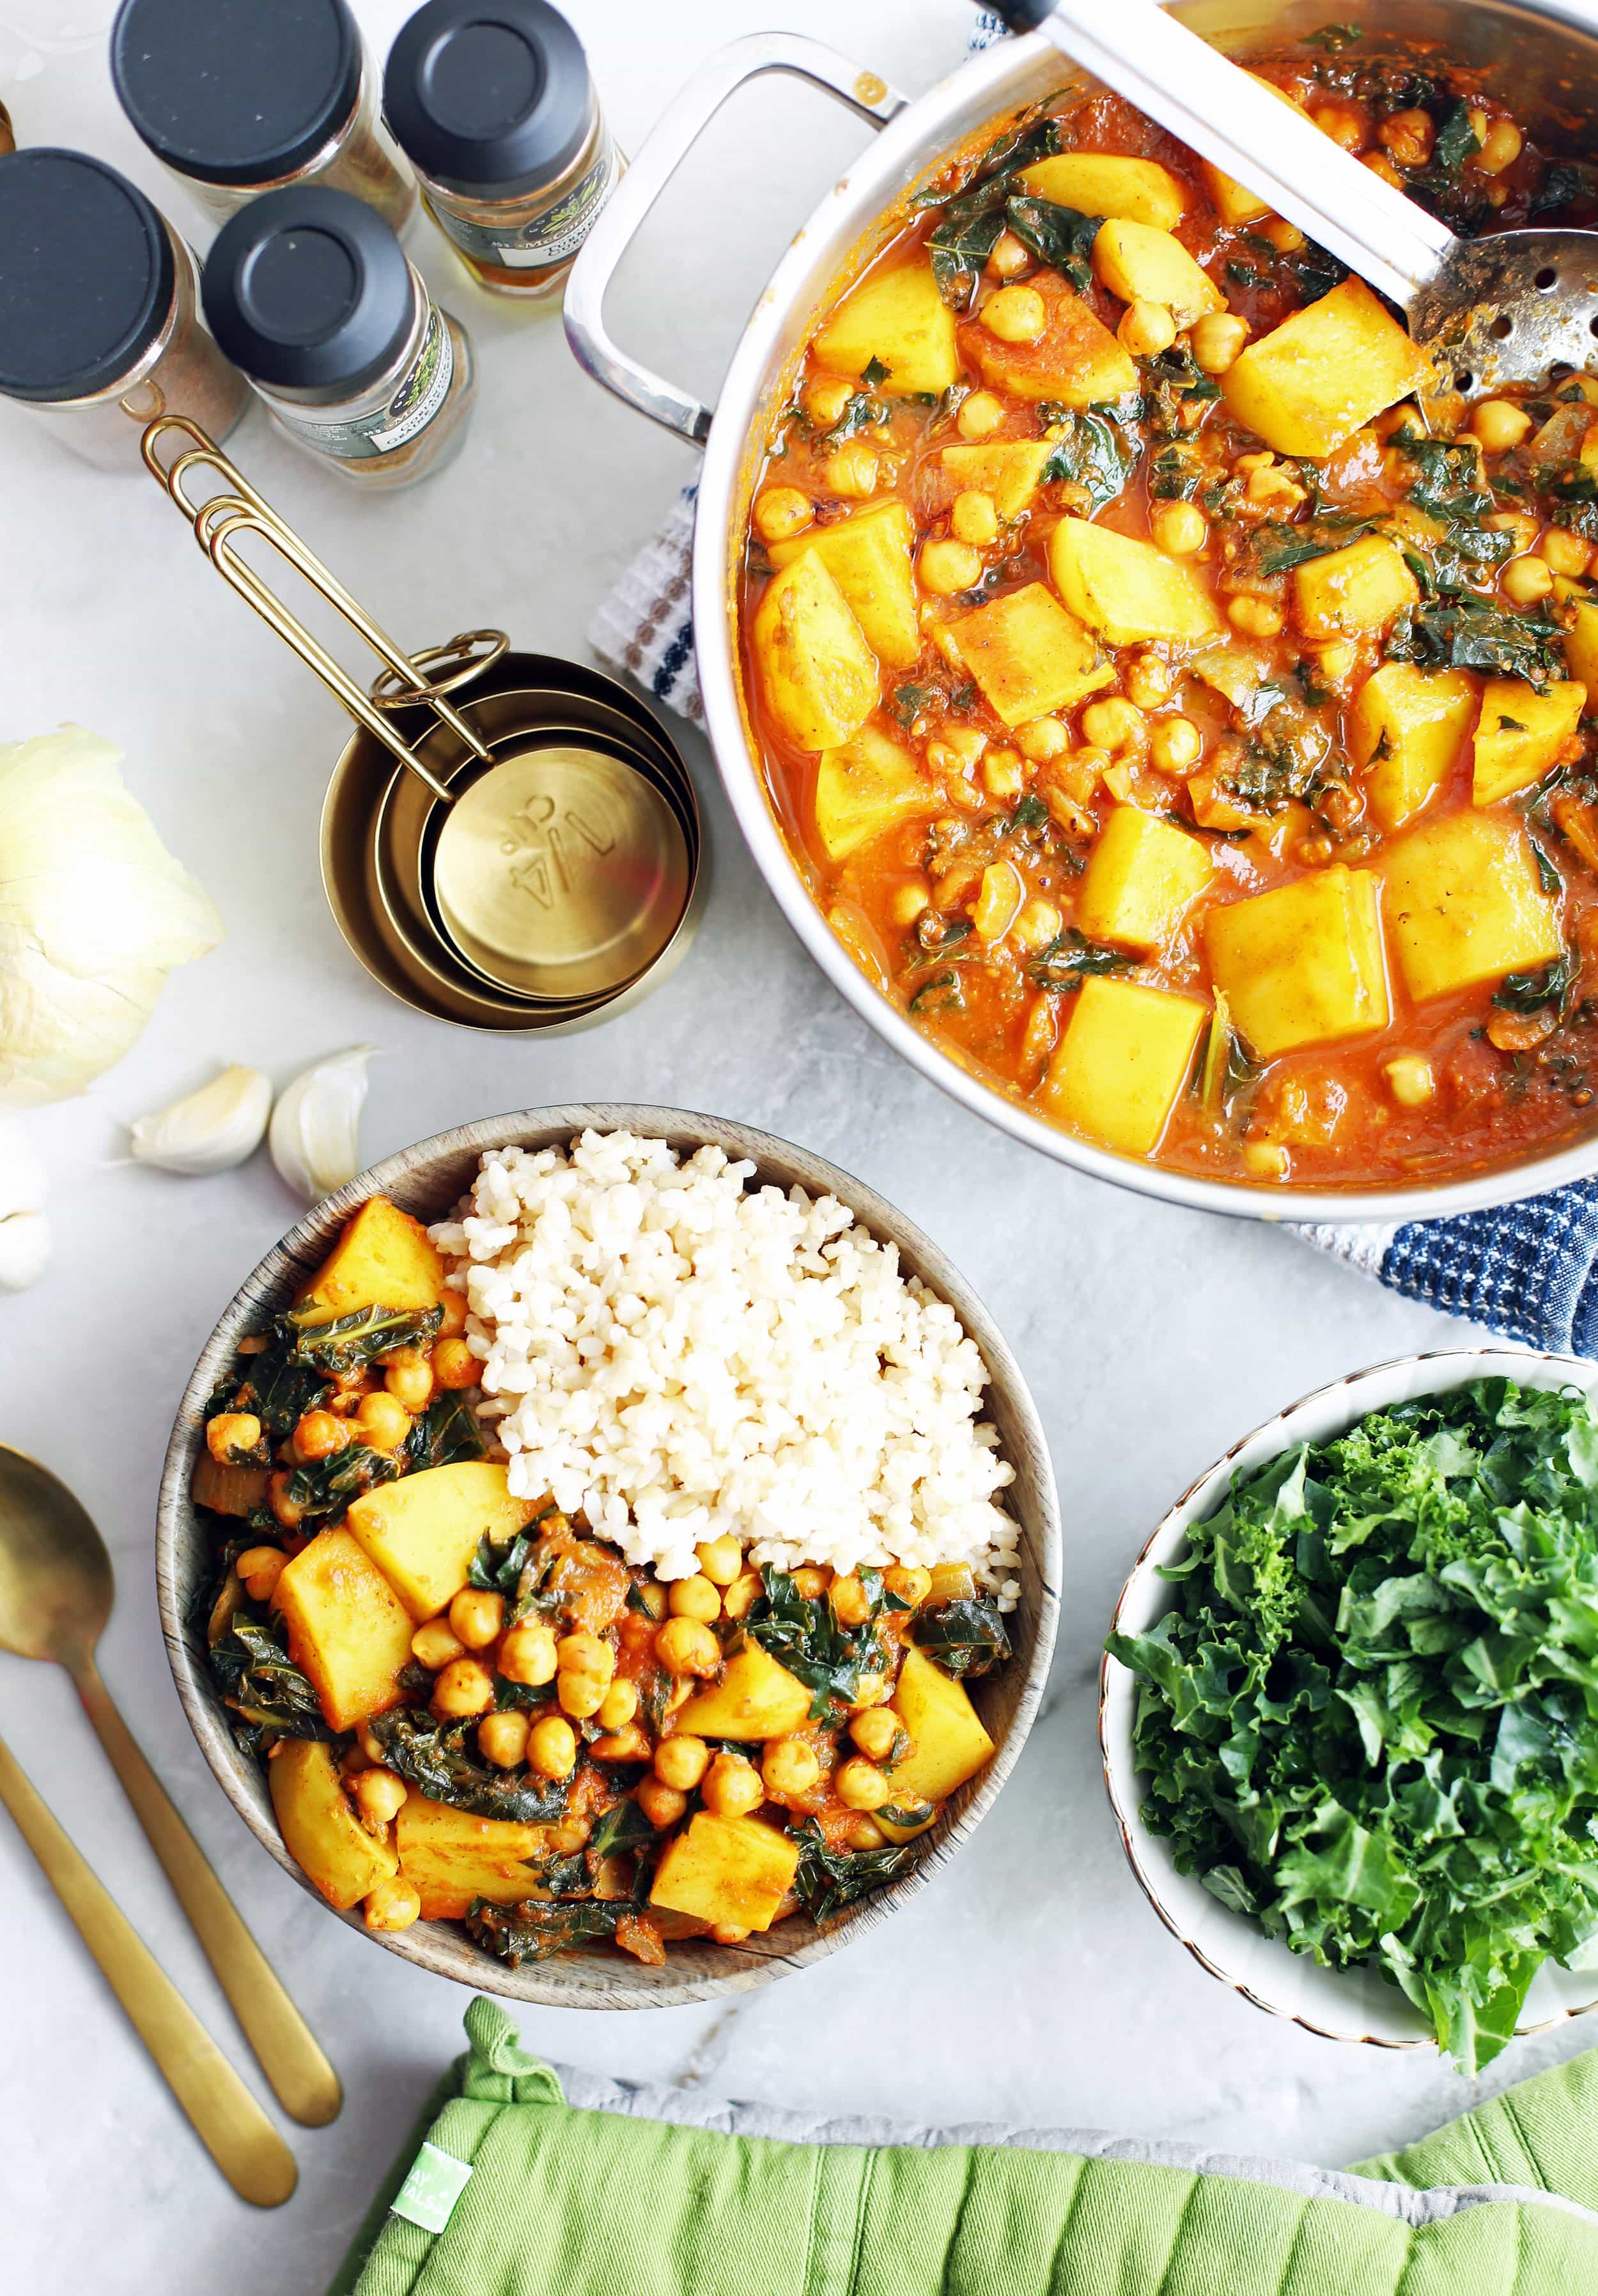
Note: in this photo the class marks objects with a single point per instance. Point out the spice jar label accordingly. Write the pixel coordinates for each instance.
(421, 391)
(550, 238)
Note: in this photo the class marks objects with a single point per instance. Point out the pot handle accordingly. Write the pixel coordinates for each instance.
(680, 127)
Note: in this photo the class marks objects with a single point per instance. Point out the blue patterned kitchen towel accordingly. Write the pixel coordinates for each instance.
(1527, 1271)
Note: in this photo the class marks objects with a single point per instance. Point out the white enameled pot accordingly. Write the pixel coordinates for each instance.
(1545, 53)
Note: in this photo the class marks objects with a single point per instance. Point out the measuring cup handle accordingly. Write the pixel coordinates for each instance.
(680, 127)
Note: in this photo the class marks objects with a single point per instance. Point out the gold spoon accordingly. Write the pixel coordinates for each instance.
(55, 1596)
(227, 2119)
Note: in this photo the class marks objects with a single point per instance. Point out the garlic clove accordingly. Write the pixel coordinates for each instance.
(24, 1250)
(316, 1122)
(22, 1180)
(211, 1130)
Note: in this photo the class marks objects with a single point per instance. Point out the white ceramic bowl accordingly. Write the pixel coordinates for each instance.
(1340, 2005)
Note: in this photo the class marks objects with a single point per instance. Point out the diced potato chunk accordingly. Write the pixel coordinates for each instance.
(1359, 592)
(1323, 373)
(1029, 657)
(452, 1859)
(1407, 728)
(1142, 265)
(821, 678)
(948, 1744)
(1520, 734)
(1302, 965)
(1141, 877)
(384, 1258)
(1464, 904)
(731, 1870)
(1234, 202)
(1011, 471)
(1124, 1059)
(869, 557)
(1076, 361)
(898, 318)
(1581, 642)
(1129, 590)
(321, 1832)
(864, 788)
(349, 1631)
(1103, 183)
(422, 1531)
(755, 1698)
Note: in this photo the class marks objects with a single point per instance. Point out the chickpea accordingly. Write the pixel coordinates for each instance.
(1010, 255)
(948, 568)
(619, 1705)
(974, 519)
(685, 1646)
(319, 1435)
(1342, 124)
(1038, 923)
(1409, 136)
(736, 1600)
(260, 1568)
(1115, 725)
(1256, 617)
(1015, 315)
(1268, 1159)
(411, 1384)
(873, 1691)
(782, 511)
(1503, 147)
(1180, 528)
(1041, 738)
(864, 1832)
(720, 1559)
(452, 1314)
(731, 1787)
(437, 1645)
(875, 1731)
(1525, 580)
(527, 1655)
(476, 1617)
(1003, 774)
(861, 1786)
(1285, 237)
(1150, 681)
(662, 1804)
(979, 415)
(569, 1837)
(382, 1423)
(580, 1695)
(694, 1598)
(501, 1738)
(681, 1762)
(1519, 526)
(852, 470)
(790, 1767)
(378, 1796)
(585, 1654)
(1176, 745)
(851, 1604)
(727, 1933)
(393, 1905)
(1147, 329)
(826, 396)
(628, 1745)
(910, 1582)
(1565, 553)
(1382, 166)
(1217, 340)
(235, 1430)
(908, 901)
(1499, 424)
(1410, 1080)
(552, 1747)
(465, 1686)
(455, 1365)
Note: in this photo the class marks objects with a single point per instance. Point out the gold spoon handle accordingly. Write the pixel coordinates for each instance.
(228, 2121)
(305, 2084)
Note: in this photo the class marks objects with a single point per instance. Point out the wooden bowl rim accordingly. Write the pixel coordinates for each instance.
(699, 1971)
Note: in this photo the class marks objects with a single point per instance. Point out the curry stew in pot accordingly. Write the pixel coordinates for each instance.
(1186, 733)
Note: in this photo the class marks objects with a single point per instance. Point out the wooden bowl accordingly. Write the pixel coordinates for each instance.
(428, 1180)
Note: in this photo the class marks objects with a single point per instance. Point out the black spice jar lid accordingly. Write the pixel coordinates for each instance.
(308, 289)
(86, 275)
(236, 91)
(489, 96)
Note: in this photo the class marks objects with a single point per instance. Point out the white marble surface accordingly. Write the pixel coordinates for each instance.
(1034, 1980)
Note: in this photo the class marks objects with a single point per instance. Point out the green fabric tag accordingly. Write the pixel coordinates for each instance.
(429, 2193)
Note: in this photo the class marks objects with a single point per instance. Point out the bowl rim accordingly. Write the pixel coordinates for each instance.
(1266, 1442)
(437, 1946)
(975, 91)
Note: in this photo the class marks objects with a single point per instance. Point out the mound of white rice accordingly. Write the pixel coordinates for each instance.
(678, 1355)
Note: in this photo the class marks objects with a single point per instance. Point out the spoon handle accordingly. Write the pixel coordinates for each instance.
(306, 2084)
(228, 2121)
(1272, 149)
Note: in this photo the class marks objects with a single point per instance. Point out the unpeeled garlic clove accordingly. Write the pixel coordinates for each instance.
(316, 1122)
(24, 1250)
(211, 1130)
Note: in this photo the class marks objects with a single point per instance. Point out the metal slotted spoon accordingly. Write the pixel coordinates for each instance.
(1488, 312)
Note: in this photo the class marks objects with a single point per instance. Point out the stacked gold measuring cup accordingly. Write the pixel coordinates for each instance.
(509, 841)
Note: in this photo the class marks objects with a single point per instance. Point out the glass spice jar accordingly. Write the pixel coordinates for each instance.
(492, 102)
(236, 97)
(100, 327)
(312, 295)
